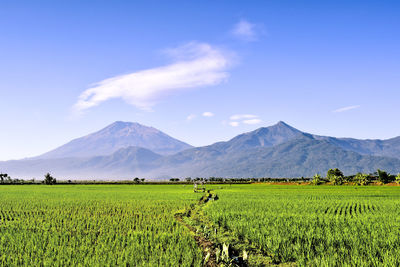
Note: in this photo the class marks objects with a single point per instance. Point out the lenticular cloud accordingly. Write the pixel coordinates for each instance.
(195, 65)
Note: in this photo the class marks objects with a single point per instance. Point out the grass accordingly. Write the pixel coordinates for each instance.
(136, 225)
(309, 225)
(95, 225)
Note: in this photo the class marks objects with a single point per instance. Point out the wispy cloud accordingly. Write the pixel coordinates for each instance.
(208, 114)
(346, 108)
(195, 65)
(191, 117)
(238, 119)
(242, 116)
(252, 121)
(245, 31)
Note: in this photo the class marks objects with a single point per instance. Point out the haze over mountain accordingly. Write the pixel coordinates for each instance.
(276, 151)
(116, 136)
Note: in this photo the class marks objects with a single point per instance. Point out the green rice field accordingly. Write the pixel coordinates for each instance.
(314, 225)
(104, 225)
(136, 225)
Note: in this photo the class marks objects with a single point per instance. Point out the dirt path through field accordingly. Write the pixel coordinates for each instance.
(207, 245)
(220, 246)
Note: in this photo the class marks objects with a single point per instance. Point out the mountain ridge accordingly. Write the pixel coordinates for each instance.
(279, 150)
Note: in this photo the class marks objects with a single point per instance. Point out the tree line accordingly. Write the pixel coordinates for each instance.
(336, 177)
(6, 179)
(333, 176)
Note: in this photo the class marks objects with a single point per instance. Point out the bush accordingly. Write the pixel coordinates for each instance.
(336, 180)
(316, 180)
(362, 179)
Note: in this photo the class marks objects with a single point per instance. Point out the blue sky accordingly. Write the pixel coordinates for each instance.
(201, 71)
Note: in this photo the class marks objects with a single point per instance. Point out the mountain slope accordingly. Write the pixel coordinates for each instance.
(301, 156)
(124, 163)
(276, 151)
(385, 148)
(116, 136)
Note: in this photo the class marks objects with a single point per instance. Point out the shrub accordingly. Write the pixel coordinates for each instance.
(336, 180)
(362, 179)
(398, 178)
(316, 180)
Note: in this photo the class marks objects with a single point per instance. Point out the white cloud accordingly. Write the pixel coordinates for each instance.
(252, 121)
(245, 30)
(208, 114)
(191, 117)
(195, 65)
(346, 108)
(238, 119)
(242, 116)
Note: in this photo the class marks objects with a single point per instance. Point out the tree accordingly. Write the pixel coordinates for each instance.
(385, 177)
(335, 176)
(336, 180)
(362, 179)
(334, 172)
(4, 177)
(316, 180)
(142, 180)
(136, 180)
(398, 178)
(48, 179)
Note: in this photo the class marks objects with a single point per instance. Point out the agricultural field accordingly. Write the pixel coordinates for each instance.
(313, 225)
(86, 225)
(167, 225)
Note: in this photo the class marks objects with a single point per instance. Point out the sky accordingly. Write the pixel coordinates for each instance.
(200, 71)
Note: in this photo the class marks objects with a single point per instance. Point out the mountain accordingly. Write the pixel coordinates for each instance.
(385, 148)
(276, 151)
(262, 137)
(116, 136)
(121, 164)
(301, 156)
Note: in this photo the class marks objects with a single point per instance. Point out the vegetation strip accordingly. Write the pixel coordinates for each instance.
(219, 245)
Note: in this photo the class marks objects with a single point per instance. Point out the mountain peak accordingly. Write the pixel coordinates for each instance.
(283, 124)
(119, 135)
(264, 137)
(126, 123)
(279, 129)
(127, 128)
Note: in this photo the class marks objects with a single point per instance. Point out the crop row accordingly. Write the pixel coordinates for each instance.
(95, 225)
(326, 226)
